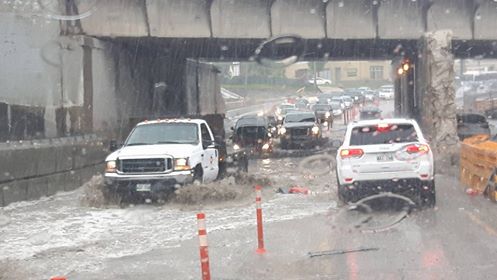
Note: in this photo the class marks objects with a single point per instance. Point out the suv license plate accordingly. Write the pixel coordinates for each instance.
(385, 157)
(143, 187)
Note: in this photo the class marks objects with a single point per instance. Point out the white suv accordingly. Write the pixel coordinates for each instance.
(386, 92)
(389, 155)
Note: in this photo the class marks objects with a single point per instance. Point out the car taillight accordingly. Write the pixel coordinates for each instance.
(347, 153)
(417, 149)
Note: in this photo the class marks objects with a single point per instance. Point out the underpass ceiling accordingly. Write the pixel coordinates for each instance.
(315, 49)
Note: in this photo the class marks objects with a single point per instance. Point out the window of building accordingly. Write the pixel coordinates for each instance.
(376, 72)
(351, 72)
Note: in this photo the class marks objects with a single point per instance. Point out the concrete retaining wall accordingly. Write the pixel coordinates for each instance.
(30, 170)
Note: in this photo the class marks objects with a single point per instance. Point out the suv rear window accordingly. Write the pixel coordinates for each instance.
(471, 118)
(383, 134)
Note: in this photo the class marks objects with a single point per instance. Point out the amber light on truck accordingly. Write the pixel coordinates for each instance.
(110, 166)
(181, 164)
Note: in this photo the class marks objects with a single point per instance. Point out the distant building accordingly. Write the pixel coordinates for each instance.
(343, 71)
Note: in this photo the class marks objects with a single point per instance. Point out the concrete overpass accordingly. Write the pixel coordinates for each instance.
(310, 19)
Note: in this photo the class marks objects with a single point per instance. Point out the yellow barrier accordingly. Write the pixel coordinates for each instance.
(478, 161)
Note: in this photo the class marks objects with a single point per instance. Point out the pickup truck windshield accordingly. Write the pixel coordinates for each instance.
(164, 133)
(292, 118)
(320, 107)
(388, 134)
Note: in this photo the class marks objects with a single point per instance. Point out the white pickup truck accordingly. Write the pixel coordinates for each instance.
(161, 154)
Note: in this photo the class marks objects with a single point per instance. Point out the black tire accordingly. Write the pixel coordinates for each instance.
(243, 164)
(340, 193)
(429, 197)
(198, 173)
(222, 170)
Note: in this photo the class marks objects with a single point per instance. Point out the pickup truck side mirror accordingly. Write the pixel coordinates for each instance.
(208, 144)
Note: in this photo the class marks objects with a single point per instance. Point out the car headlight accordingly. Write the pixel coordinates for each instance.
(236, 147)
(282, 130)
(181, 164)
(315, 130)
(327, 114)
(265, 146)
(110, 166)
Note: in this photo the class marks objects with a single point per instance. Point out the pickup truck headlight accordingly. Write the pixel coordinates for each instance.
(110, 166)
(327, 114)
(181, 164)
(315, 130)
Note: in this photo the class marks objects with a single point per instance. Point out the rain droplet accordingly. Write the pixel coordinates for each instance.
(447, 11)
(340, 4)
(478, 17)
(375, 3)
(224, 48)
(313, 11)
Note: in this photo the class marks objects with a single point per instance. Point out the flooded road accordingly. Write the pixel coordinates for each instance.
(64, 235)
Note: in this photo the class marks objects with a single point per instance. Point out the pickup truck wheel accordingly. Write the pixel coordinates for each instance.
(198, 175)
(284, 145)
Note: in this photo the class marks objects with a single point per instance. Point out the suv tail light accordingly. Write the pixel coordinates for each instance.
(348, 153)
(415, 149)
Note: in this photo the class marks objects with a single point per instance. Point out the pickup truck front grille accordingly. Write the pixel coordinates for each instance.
(148, 165)
(299, 131)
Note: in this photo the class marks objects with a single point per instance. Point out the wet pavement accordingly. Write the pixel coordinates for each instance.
(61, 235)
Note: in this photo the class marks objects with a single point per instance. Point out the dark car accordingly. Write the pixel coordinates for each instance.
(325, 97)
(302, 103)
(253, 134)
(370, 113)
(370, 95)
(356, 95)
(469, 124)
(300, 129)
(324, 113)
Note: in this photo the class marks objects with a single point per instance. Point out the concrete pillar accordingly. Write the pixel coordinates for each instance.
(437, 96)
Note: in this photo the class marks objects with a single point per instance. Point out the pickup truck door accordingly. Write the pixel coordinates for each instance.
(210, 158)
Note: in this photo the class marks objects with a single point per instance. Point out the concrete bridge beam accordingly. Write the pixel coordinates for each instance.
(304, 18)
(240, 19)
(400, 19)
(454, 15)
(343, 23)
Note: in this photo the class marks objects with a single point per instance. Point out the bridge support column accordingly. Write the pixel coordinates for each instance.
(436, 96)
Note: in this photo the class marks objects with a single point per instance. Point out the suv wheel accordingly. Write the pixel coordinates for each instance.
(428, 197)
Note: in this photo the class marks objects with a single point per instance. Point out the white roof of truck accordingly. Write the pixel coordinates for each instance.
(194, 121)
